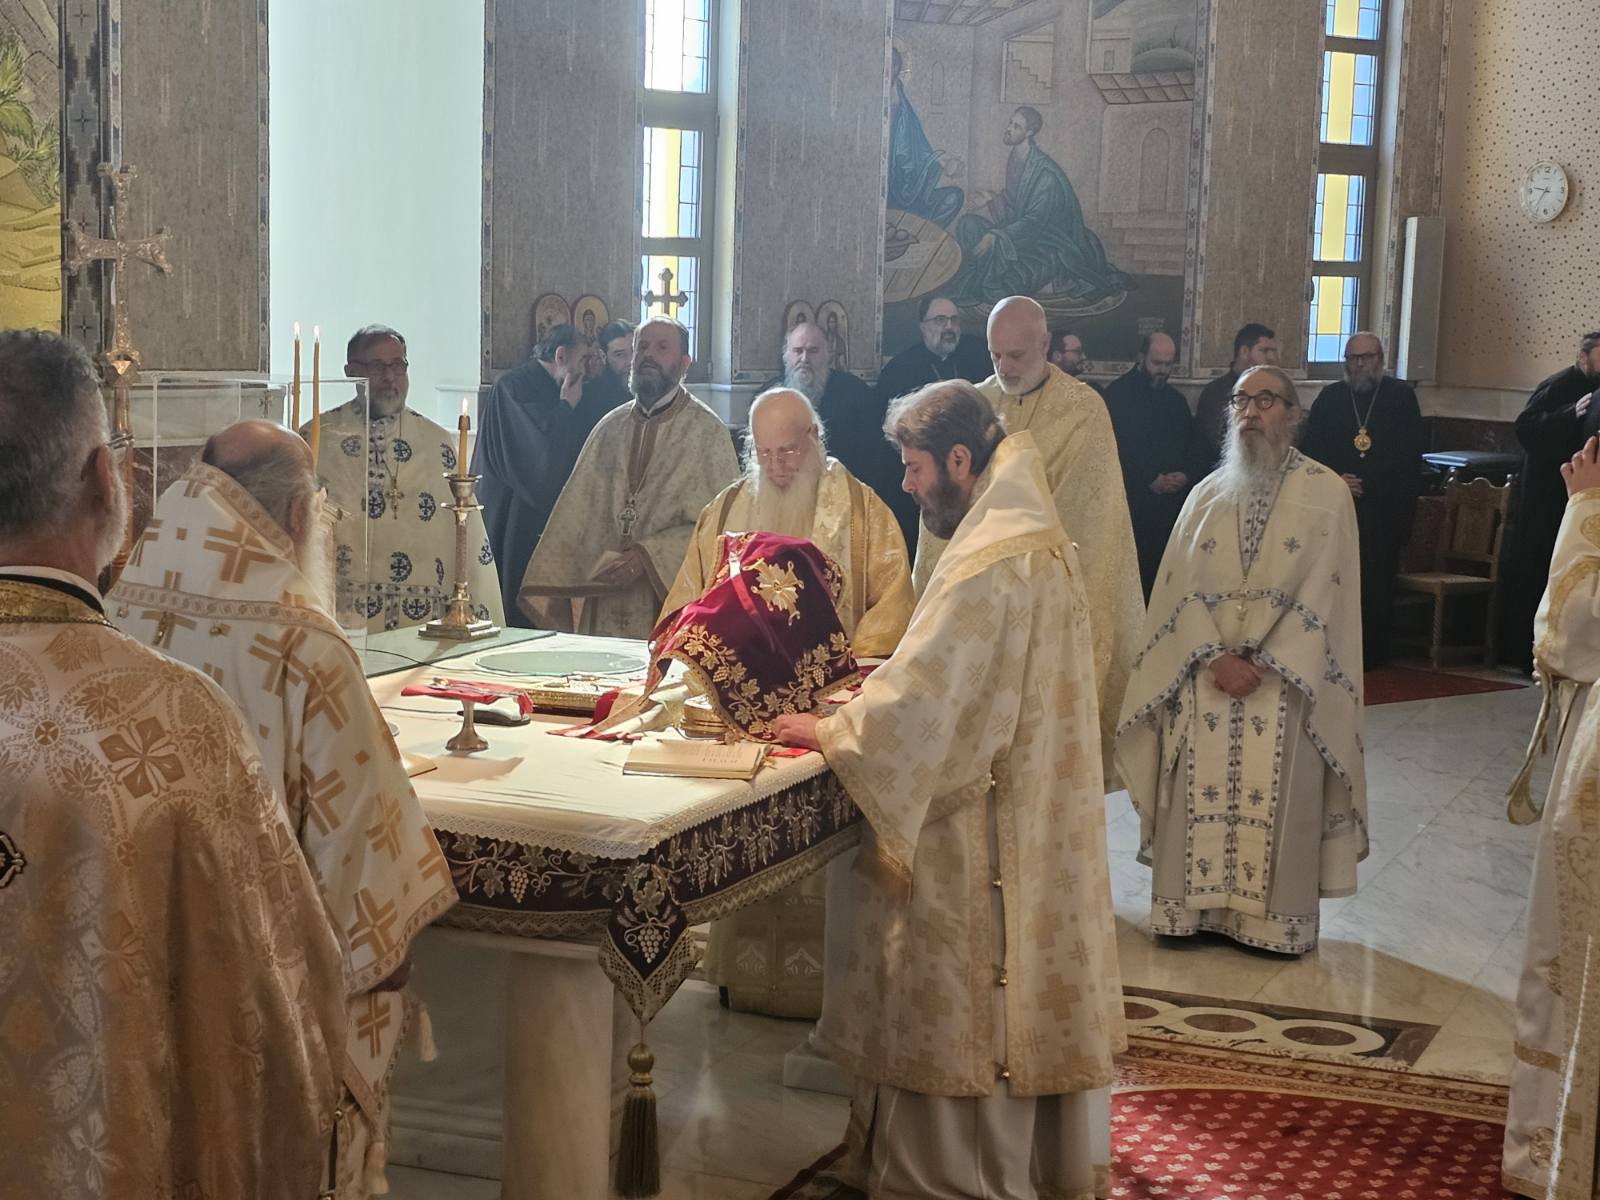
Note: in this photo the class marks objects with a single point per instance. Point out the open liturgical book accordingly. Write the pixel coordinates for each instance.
(695, 759)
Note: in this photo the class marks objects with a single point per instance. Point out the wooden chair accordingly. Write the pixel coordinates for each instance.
(1466, 561)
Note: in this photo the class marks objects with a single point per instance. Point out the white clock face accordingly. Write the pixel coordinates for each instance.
(1544, 191)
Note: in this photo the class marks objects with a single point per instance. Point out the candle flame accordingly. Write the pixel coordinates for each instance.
(297, 329)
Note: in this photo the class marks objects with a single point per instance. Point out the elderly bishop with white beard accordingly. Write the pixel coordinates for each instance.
(232, 576)
(1240, 736)
(768, 956)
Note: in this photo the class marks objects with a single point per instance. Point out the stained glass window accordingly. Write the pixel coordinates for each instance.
(671, 182)
(686, 279)
(1354, 18)
(1341, 212)
(677, 45)
(1335, 310)
(1349, 97)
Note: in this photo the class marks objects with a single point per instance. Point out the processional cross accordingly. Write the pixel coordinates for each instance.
(119, 362)
(667, 298)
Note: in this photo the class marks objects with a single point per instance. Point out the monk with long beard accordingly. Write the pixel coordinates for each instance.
(769, 956)
(232, 576)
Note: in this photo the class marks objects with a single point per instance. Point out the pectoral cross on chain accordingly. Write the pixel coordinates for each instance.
(667, 298)
(626, 518)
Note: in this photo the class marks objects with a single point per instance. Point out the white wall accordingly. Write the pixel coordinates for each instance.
(377, 136)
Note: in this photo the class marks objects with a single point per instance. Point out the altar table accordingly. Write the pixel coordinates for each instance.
(589, 880)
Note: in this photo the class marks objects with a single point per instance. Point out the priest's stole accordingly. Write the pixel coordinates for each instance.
(1232, 766)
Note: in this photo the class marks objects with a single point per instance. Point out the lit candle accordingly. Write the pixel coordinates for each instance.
(463, 425)
(294, 387)
(316, 394)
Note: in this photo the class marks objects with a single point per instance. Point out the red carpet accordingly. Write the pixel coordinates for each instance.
(1198, 1122)
(1394, 685)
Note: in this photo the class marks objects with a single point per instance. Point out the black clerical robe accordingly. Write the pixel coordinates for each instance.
(852, 412)
(1390, 473)
(528, 440)
(1551, 432)
(1212, 411)
(917, 366)
(1156, 434)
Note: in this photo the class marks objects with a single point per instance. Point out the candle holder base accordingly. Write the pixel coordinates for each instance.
(469, 740)
(449, 631)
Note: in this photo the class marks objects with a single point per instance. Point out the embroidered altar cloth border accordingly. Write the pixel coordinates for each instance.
(546, 837)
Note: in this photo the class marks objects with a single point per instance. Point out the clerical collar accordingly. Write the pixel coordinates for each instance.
(58, 580)
(661, 405)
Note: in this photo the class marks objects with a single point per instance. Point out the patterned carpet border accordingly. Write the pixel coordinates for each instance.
(1170, 1063)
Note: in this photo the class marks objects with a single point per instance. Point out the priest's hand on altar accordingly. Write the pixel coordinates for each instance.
(623, 571)
(1583, 471)
(1236, 675)
(798, 730)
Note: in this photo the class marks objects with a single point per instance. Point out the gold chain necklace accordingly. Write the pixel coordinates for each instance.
(393, 495)
(1363, 439)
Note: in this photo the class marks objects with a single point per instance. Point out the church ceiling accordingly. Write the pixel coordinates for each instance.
(955, 12)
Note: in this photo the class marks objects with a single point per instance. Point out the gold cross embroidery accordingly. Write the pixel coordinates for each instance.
(239, 548)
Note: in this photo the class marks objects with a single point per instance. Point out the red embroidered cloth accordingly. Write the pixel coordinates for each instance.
(475, 690)
(765, 638)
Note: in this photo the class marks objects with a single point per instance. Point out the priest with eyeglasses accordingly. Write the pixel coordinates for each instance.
(1240, 735)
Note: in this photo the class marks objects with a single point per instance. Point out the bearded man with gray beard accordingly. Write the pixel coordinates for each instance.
(1240, 734)
(769, 956)
(233, 577)
(853, 413)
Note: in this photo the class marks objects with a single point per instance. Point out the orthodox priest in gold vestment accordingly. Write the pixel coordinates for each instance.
(1240, 739)
(979, 1004)
(1072, 429)
(769, 956)
(617, 535)
(384, 466)
(230, 577)
(1554, 1115)
(172, 998)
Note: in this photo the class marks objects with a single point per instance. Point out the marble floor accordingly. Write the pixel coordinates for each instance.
(1434, 936)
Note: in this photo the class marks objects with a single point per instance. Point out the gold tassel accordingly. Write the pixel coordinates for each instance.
(373, 1177)
(427, 1048)
(638, 1158)
(1520, 806)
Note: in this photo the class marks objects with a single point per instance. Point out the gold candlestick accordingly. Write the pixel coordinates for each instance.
(459, 624)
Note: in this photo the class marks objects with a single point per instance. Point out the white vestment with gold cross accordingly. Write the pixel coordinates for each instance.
(212, 582)
(1252, 809)
(1554, 1114)
(980, 1002)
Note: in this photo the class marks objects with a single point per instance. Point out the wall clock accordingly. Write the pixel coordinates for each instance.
(1544, 191)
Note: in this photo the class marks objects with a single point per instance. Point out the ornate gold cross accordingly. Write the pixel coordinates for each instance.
(120, 360)
(667, 298)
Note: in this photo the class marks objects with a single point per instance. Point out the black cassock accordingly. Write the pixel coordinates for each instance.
(1550, 431)
(528, 441)
(1156, 434)
(852, 412)
(916, 366)
(1390, 474)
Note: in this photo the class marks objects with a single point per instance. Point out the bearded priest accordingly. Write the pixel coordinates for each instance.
(1072, 429)
(1240, 738)
(768, 957)
(979, 1002)
(384, 464)
(231, 577)
(171, 996)
(792, 486)
(619, 531)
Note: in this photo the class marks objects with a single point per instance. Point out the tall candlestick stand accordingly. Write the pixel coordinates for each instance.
(459, 624)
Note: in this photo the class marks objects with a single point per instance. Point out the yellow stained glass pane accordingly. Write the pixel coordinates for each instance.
(666, 157)
(1330, 303)
(1341, 97)
(1335, 216)
(1346, 18)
